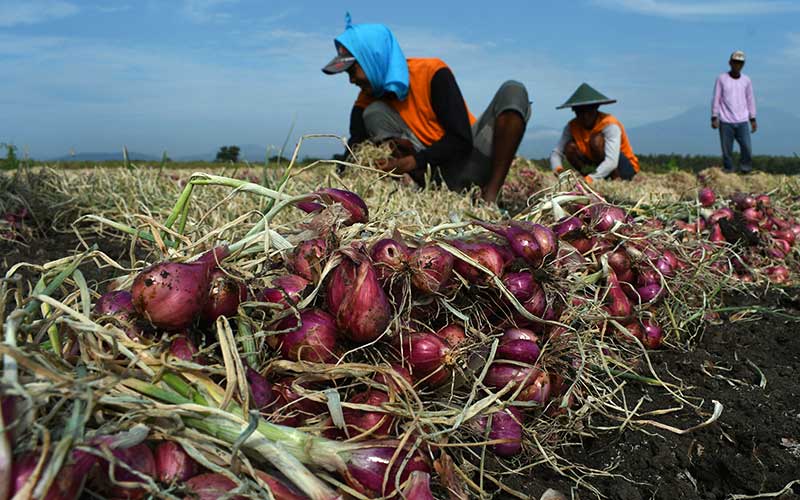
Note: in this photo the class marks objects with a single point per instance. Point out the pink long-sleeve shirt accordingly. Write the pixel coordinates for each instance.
(733, 99)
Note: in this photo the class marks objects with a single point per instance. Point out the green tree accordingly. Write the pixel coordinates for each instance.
(10, 162)
(228, 154)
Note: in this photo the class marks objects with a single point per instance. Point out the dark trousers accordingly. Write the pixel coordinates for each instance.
(740, 132)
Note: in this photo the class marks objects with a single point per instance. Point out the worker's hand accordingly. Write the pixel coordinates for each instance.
(753, 125)
(558, 170)
(588, 179)
(402, 165)
(714, 122)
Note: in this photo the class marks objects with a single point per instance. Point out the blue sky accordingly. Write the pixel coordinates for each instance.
(187, 76)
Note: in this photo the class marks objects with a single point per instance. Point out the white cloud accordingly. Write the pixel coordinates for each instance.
(112, 9)
(792, 50)
(13, 13)
(690, 9)
(205, 11)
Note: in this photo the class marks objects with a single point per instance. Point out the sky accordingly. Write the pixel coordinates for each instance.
(188, 76)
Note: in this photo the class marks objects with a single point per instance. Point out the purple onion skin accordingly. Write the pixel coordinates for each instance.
(210, 486)
(653, 334)
(537, 304)
(606, 216)
(173, 464)
(500, 374)
(425, 353)
(309, 207)
(171, 295)
(67, 485)
(619, 261)
(215, 255)
(567, 227)
(418, 487)
(485, 254)
(313, 340)
(389, 257)
(308, 259)
(453, 334)
(512, 334)
(650, 293)
(260, 389)
(707, 197)
(391, 380)
(183, 348)
(743, 200)
(357, 300)
(368, 466)
(547, 240)
(116, 303)
(349, 200)
(291, 409)
(431, 267)
(523, 351)
(538, 390)
(140, 458)
(524, 243)
(279, 489)
(521, 285)
(285, 289)
(119, 304)
(620, 305)
(665, 267)
(224, 296)
(506, 424)
(360, 421)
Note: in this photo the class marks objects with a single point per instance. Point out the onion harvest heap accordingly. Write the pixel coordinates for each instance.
(348, 356)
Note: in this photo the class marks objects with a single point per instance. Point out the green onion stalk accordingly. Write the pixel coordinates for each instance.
(373, 468)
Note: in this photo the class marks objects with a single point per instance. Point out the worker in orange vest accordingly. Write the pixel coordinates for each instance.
(593, 142)
(416, 105)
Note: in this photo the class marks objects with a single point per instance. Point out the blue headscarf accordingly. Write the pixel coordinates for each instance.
(379, 55)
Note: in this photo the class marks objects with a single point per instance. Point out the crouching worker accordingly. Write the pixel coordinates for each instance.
(593, 142)
(417, 105)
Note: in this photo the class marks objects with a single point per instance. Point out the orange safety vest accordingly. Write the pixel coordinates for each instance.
(581, 137)
(416, 110)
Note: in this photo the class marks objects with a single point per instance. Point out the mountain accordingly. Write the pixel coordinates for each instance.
(690, 133)
(132, 156)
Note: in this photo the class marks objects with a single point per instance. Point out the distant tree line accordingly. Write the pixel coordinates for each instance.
(228, 154)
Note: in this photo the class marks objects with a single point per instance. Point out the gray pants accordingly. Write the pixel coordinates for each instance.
(383, 122)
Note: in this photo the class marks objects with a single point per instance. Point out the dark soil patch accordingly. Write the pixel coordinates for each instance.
(753, 448)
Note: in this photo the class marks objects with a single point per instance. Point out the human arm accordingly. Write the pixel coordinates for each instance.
(358, 130)
(557, 155)
(751, 105)
(715, 103)
(613, 138)
(451, 113)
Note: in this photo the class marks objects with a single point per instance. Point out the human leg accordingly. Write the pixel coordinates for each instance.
(625, 170)
(743, 138)
(384, 123)
(497, 135)
(726, 134)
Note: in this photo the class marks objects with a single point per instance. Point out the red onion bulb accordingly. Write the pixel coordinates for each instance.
(313, 340)
(173, 464)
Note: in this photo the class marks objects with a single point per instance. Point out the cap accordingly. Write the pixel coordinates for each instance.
(341, 62)
(585, 95)
(737, 56)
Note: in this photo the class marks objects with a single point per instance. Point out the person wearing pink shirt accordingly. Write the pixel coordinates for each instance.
(732, 108)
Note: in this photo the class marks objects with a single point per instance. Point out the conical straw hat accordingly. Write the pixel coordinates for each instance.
(586, 96)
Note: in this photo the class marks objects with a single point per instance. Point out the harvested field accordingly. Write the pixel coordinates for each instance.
(711, 411)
